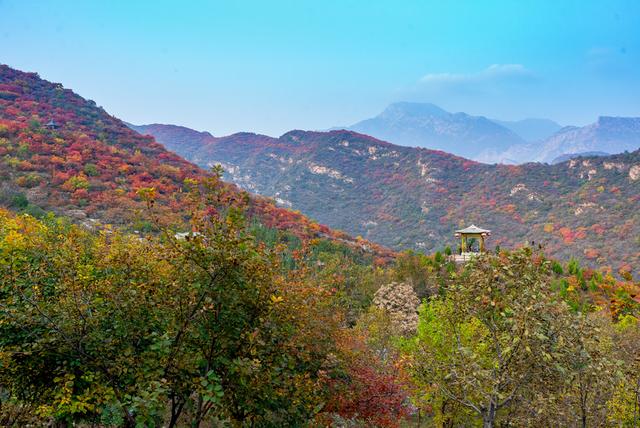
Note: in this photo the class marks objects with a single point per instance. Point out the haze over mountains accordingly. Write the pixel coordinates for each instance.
(531, 129)
(497, 141)
(429, 126)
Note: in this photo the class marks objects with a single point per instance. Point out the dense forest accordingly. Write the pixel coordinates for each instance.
(136, 289)
(226, 327)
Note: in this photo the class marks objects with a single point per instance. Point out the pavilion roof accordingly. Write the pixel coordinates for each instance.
(473, 229)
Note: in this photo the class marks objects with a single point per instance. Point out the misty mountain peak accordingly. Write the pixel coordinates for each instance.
(427, 125)
(401, 109)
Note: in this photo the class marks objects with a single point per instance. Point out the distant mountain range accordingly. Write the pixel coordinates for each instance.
(497, 141)
(429, 126)
(531, 129)
(406, 197)
(606, 135)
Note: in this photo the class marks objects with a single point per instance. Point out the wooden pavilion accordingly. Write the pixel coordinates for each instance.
(468, 237)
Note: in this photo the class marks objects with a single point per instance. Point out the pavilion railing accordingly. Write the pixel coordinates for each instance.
(463, 257)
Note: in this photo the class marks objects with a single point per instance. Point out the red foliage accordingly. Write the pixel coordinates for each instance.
(581, 233)
(597, 229)
(591, 253)
(370, 389)
(466, 165)
(567, 235)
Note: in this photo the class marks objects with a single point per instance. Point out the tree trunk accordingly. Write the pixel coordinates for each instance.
(583, 404)
(176, 411)
(489, 416)
(636, 405)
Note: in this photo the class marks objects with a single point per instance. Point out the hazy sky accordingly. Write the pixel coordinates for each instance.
(271, 66)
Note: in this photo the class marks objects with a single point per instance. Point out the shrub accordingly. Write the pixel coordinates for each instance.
(401, 302)
(28, 180)
(557, 268)
(91, 170)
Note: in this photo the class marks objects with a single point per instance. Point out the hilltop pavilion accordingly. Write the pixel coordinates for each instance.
(468, 236)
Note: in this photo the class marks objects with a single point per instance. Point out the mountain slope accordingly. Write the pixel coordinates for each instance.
(569, 156)
(89, 165)
(173, 137)
(414, 198)
(426, 125)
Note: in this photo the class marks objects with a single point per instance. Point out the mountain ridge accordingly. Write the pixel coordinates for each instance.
(427, 125)
(497, 141)
(608, 134)
(406, 197)
(569, 156)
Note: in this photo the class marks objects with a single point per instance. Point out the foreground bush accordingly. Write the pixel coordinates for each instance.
(501, 347)
(115, 329)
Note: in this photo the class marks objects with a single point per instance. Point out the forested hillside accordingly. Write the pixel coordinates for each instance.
(63, 153)
(404, 197)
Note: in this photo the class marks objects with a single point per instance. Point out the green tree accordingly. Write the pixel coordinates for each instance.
(82, 321)
(498, 338)
(419, 270)
(115, 329)
(624, 405)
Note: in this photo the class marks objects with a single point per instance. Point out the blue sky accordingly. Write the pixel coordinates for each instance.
(272, 66)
